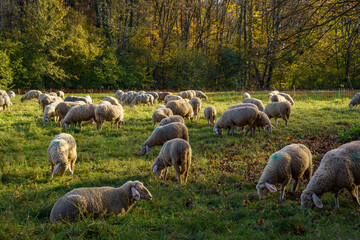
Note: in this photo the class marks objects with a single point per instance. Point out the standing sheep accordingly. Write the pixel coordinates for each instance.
(169, 98)
(118, 94)
(78, 114)
(355, 100)
(181, 108)
(98, 201)
(339, 168)
(45, 99)
(272, 93)
(162, 95)
(196, 106)
(176, 153)
(75, 99)
(287, 97)
(210, 115)
(255, 101)
(246, 95)
(277, 98)
(278, 110)
(3, 93)
(30, 95)
(60, 94)
(5, 102)
(200, 94)
(243, 105)
(160, 114)
(173, 118)
(291, 162)
(62, 109)
(155, 95)
(112, 100)
(109, 113)
(50, 113)
(165, 133)
(143, 99)
(11, 94)
(61, 154)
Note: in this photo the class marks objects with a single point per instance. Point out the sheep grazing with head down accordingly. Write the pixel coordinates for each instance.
(243, 105)
(46, 99)
(49, 113)
(160, 114)
(255, 101)
(30, 95)
(200, 94)
(5, 102)
(143, 99)
(355, 100)
(169, 98)
(278, 110)
(60, 94)
(155, 95)
(162, 95)
(196, 106)
(86, 100)
(61, 154)
(118, 94)
(182, 108)
(339, 168)
(79, 114)
(62, 108)
(176, 153)
(165, 133)
(277, 98)
(210, 115)
(173, 118)
(291, 162)
(272, 93)
(112, 100)
(287, 97)
(129, 98)
(246, 95)
(109, 113)
(98, 201)
(188, 94)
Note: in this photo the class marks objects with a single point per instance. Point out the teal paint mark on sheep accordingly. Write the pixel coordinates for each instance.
(157, 128)
(275, 156)
(355, 157)
(272, 104)
(57, 143)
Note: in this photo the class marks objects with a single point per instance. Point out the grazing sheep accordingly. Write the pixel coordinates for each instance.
(173, 118)
(176, 153)
(277, 98)
(143, 99)
(162, 95)
(287, 97)
(62, 108)
(165, 133)
(246, 95)
(109, 113)
(263, 122)
(291, 162)
(210, 115)
(196, 106)
(278, 110)
(30, 95)
(112, 100)
(46, 99)
(169, 98)
(155, 95)
(355, 100)
(243, 105)
(181, 108)
(60, 94)
(118, 94)
(11, 94)
(272, 93)
(50, 112)
(189, 94)
(339, 168)
(129, 98)
(5, 102)
(53, 94)
(89, 99)
(141, 92)
(255, 101)
(160, 114)
(104, 103)
(74, 99)
(98, 201)
(237, 117)
(125, 95)
(78, 114)
(61, 154)
(3, 93)
(200, 94)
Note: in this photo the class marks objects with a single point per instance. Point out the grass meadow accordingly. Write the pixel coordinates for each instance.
(220, 200)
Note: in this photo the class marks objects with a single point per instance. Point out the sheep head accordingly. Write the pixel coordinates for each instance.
(217, 131)
(264, 188)
(139, 191)
(309, 199)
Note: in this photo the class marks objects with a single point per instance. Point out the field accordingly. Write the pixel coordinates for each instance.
(220, 200)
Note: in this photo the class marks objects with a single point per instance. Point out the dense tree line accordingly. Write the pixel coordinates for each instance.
(179, 44)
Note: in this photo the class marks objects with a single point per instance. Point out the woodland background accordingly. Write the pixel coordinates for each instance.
(180, 44)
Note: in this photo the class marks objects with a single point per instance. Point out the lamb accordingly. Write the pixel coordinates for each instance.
(160, 114)
(109, 113)
(355, 100)
(86, 100)
(181, 108)
(60, 94)
(291, 162)
(30, 95)
(237, 117)
(165, 133)
(50, 113)
(210, 115)
(118, 94)
(243, 105)
(173, 118)
(169, 98)
(112, 100)
(246, 95)
(196, 106)
(62, 108)
(143, 98)
(162, 95)
(78, 114)
(277, 98)
(5, 102)
(255, 101)
(98, 201)
(176, 153)
(11, 94)
(339, 168)
(155, 95)
(277, 110)
(272, 93)
(200, 94)
(61, 154)
(287, 97)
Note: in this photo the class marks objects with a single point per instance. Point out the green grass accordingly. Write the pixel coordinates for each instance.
(219, 202)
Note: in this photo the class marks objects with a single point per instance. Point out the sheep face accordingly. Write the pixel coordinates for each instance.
(309, 200)
(46, 121)
(144, 149)
(351, 106)
(65, 126)
(268, 128)
(264, 189)
(62, 167)
(157, 170)
(139, 191)
(217, 131)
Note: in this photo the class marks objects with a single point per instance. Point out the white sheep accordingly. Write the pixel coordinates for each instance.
(176, 153)
(98, 201)
(49, 113)
(61, 154)
(291, 162)
(287, 97)
(169, 98)
(143, 99)
(60, 94)
(243, 105)
(246, 95)
(272, 93)
(173, 118)
(278, 110)
(339, 168)
(200, 94)
(355, 100)
(112, 100)
(162, 95)
(160, 114)
(255, 101)
(182, 108)
(62, 109)
(3, 93)
(188, 94)
(78, 114)
(86, 100)
(109, 113)
(30, 95)
(5, 102)
(155, 95)
(196, 106)
(11, 94)
(210, 115)
(278, 98)
(118, 94)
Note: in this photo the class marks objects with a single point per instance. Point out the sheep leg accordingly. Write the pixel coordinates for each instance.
(52, 170)
(80, 125)
(275, 121)
(165, 174)
(177, 172)
(295, 185)
(355, 195)
(208, 122)
(283, 187)
(228, 133)
(336, 196)
(72, 166)
(232, 131)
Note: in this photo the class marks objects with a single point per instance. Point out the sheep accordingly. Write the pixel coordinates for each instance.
(263, 122)
(49, 113)
(129, 98)
(112, 100)
(210, 115)
(287, 97)
(162, 95)
(278, 98)
(272, 93)
(46, 99)
(173, 118)
(161, 106)
(141, 92)
(104, 103)
(200, 94)
(98, 201)
(61, 154)
(339, 168)
(78, 114)
(196, 106)
(60, 94)
(124, 96)
(53, 94)
(246, 95)
(3, 93)
(355, 100)
(237, 117)
(74, 99)
(108, 113)
(164, 133)
(118, 94)
(255, 101)
(294, 161)
(62, 108)
(160, 114)
(176, 153)
(143, 98)
(5, 102)
(189, 94)
(155, 95)
(11, 94)
(277, 110)
(169, 98)
(243, 105)
(181, 108)
(30, 95)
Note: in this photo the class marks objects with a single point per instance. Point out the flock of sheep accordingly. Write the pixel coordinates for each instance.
(339, 168)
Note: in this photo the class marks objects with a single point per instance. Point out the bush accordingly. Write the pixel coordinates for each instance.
(351, 134)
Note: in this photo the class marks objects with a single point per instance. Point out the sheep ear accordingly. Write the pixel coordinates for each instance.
(135, 193)
(57, 168)
(271, 187)
(155, 168)
(147, 148)
(317, 201)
